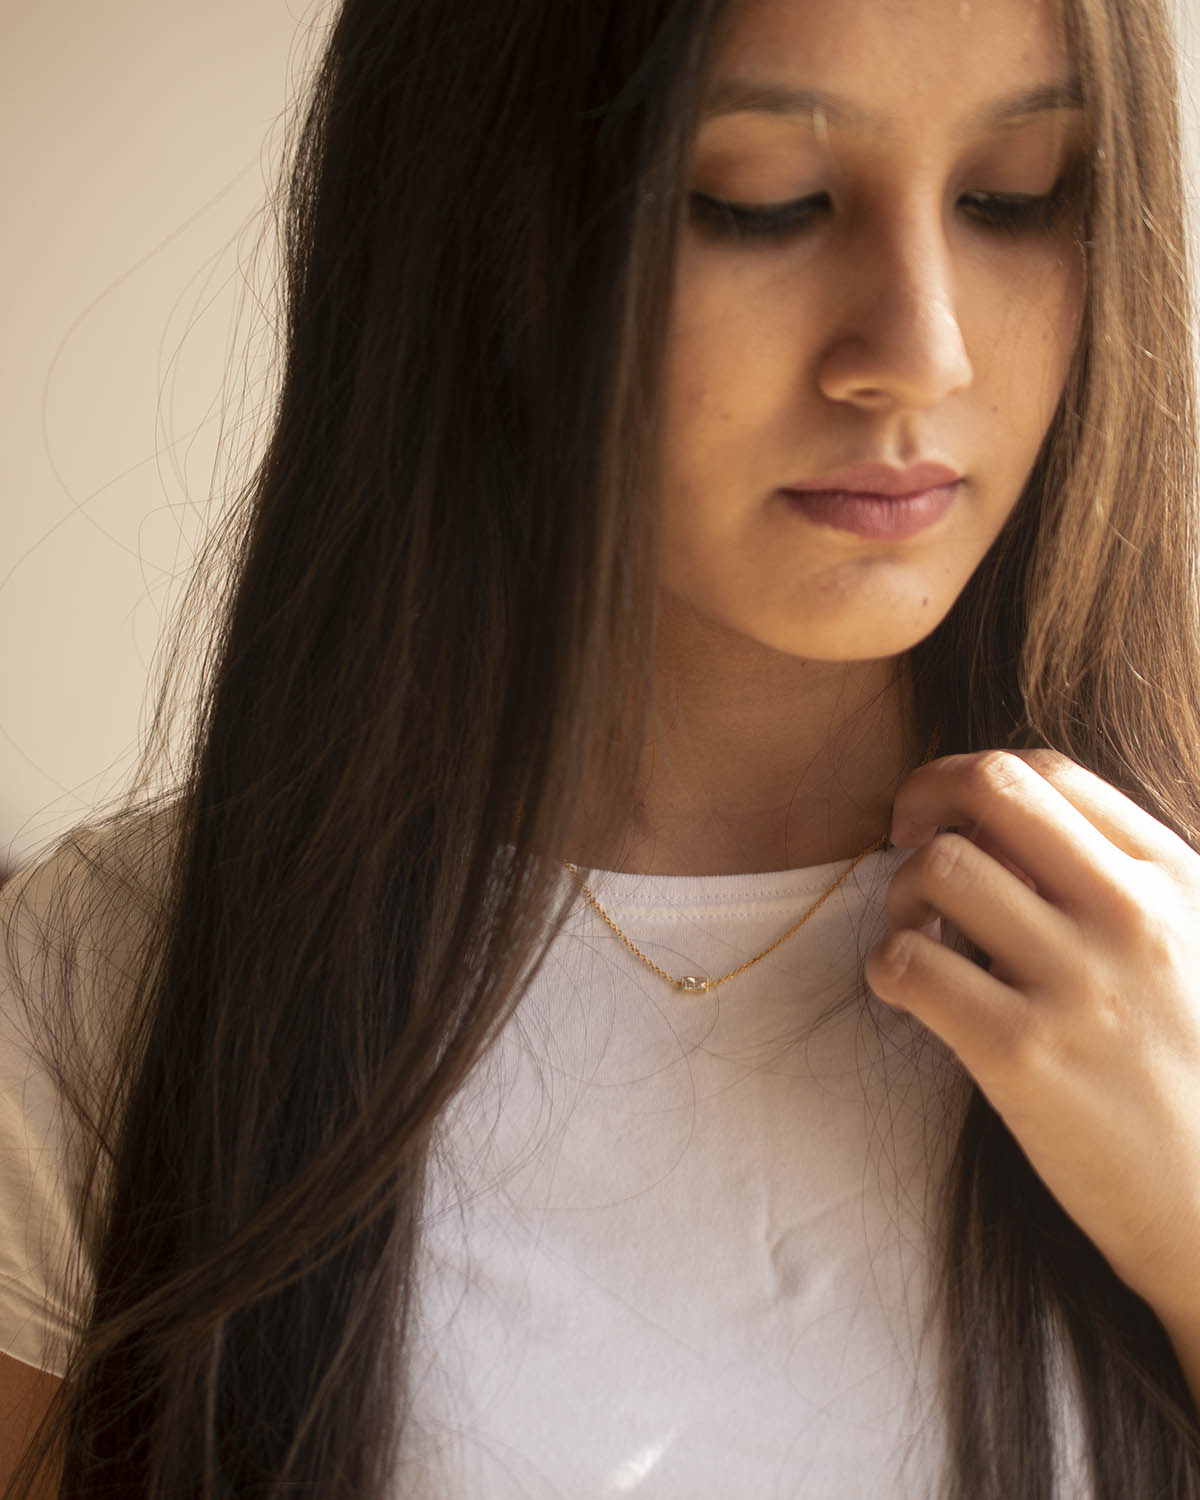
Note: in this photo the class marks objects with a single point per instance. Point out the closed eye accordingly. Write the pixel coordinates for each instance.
(1008, 212)
(1020, 211)
(750, 221)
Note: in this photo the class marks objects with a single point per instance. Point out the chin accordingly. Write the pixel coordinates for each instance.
(851, 623)
(861, 640)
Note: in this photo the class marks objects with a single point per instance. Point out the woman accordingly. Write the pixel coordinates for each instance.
(715, 440)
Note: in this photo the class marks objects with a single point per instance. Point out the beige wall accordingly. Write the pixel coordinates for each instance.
(136, 137)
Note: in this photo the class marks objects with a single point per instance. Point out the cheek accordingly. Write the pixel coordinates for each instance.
(1075, 308)
(698, 402)
(729, 363)
(701, 398)
(1027, 339)
(1062, 313)
(1060, 339)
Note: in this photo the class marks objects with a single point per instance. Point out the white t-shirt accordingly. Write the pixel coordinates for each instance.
(676, 1246)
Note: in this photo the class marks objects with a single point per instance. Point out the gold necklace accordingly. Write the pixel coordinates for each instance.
(700, 984)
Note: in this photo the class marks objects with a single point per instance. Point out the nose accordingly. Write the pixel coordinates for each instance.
(896, 341)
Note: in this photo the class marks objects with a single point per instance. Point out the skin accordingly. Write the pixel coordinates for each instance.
(896, 327)
(1085, 1033)
(25, 1398)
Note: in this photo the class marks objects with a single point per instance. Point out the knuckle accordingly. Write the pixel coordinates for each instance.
(1046, 762)
(1025, 1045)
(1157, 939)
(1120, 913)
(994, 773)
(1134, 920)
(946, 858)
(898, 955)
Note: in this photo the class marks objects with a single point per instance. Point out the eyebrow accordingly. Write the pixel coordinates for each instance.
(738, 96)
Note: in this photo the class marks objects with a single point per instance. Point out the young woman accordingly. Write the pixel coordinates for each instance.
(675, 966)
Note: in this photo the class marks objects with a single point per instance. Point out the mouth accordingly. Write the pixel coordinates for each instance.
(880, 480)
(879, 517)
(877, 501)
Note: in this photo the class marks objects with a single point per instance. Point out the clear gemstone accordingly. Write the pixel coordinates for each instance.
(693, 984)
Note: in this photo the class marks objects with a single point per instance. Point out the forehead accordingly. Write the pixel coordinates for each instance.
(896, 55)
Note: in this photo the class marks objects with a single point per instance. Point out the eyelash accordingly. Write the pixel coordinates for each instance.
(1005, 213)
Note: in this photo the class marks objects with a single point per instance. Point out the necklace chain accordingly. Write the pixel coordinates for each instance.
(699, 984)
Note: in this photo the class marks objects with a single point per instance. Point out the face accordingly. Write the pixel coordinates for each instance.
(879, 293)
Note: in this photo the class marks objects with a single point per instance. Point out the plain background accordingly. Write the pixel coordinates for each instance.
(138, 143)
(138, 140)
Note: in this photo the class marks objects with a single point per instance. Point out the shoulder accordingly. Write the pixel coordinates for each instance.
(75, 931)
(76, 924)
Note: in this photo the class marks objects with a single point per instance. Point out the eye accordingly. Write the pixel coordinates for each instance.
(745, 221)
(1015, 212)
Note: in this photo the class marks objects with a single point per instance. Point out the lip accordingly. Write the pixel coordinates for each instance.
(877, 501)
(880, 479)
(879, 518)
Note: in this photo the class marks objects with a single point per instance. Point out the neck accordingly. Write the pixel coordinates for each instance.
(758, 760)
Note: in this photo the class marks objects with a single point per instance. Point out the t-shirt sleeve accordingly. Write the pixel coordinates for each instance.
(39, 1222)
(71, 931)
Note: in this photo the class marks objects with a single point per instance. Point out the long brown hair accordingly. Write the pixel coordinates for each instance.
(439, 625)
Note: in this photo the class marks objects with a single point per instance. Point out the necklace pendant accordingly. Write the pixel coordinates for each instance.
(694, 984)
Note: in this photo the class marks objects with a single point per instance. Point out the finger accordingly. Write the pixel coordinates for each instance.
(980, 839)
(979, 1018)
(1029, 941)
(1118, 817)
(996, 796)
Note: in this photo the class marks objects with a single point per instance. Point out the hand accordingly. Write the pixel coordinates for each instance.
(1085, 1034)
